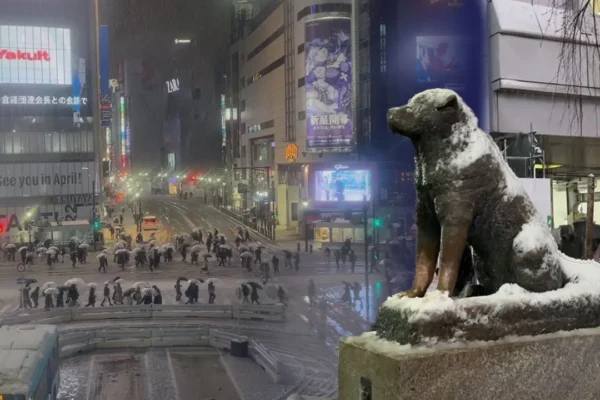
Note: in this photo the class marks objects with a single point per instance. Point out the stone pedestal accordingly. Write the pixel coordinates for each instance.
(558, 366)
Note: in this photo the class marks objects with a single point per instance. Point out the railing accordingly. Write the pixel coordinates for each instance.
(260, 226)
(159, 311)
(79, 341)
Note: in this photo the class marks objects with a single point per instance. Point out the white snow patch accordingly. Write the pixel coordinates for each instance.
(370, 341)
(580, 271)
(477, 145)
(534, 236)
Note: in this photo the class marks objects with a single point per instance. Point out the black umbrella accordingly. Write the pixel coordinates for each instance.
(29, 281)
(129, 292)
(254, 285)
(116, 278)
(63, 288)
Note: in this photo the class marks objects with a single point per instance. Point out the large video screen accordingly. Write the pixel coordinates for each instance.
(342, 185)
(35, 55)
(441, 59)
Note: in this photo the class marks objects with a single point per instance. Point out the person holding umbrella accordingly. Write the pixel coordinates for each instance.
(258, 255)
(297, 261)
(247, 260)
(206, 257)
(353, 259)
(211, 292)
(73, 258)
(35, 295)
(106, 293)
(178, 288)
(184, 252)
(48, 298)
(102, 258)
(60, 297)
(208, 242)
(275, 261)
(245, 293)
(281, 295)
(254, 294)
(118, 291)
(92, 295)
(157, 295)
(195, 256)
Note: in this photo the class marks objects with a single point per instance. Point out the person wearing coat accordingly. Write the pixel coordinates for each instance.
(72, 295)
(48, 302)
(106, 293)
(158, 297)
(177, 290)
(254, 296)
(35, 295)
(117, 294)
(245, 293)
(211, 293)
(137, 296)
(92, 298)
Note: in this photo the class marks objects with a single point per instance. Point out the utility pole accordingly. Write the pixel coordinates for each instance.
(366, 233)
(589, 220)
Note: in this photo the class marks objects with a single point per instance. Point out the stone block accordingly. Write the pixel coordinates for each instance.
(558, 366)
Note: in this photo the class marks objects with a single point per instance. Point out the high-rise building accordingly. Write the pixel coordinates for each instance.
(49, 145)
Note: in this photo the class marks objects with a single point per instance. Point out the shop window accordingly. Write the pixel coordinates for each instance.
(294, 211)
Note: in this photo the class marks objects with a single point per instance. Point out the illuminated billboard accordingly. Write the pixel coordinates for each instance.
(342, 184)
(328, 86)
(35, 55)
(441, 60)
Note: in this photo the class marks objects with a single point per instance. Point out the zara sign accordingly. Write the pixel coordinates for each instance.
(35, 55)
(172, 85)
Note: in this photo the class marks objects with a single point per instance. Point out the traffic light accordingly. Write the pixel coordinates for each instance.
(96, 225)
(377, 223)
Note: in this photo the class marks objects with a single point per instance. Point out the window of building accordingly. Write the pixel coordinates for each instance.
(294, 211)
(301, 82)
(261, 151)
(269, 68)
(301, 48)
(261, 126)
(265, 43)
(301, 115)
(242, 105)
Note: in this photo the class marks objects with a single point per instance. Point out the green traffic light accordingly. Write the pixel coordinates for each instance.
(377, 223)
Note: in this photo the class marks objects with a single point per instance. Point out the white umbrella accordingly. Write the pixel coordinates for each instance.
(92, 285)
(136, 250)
(152, 243)
(53, 248)
(75, 239)
(101, 255)
(194, 281)
(141, 285)
(52, 291)
(163, 248)
(51, 252)
(42, 250)
(221, 235)
(146, 291)
(120, 251)
(246, 254)
(271, 291)
(196, 249)
(83, 246)
(120, 281)
(75, 281)
(11, 246)
(48, 285)
(24, 248)
(109, 283)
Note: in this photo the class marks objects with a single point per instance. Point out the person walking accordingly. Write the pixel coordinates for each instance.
(245, 293)
(117, 294)
(254, 296)
(258, 256)
(73, 258)
(183, 253)
(211, 293)
(327, 256)
(275, 262)
(353, 259)
(92, 297)
(103, 262)
(35, 295)
(106, 293)
(297, 261)
(337, 255)
(177, 290)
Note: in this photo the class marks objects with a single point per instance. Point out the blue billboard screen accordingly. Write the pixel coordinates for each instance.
(342, 185)
(328, 85)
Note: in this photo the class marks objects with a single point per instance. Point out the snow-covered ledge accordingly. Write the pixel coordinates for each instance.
(511, 311)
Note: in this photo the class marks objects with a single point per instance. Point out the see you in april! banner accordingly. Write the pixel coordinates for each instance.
(328, 55)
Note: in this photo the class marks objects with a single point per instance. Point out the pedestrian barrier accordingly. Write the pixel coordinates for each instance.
(274, 312)
(259, 354)
(79, 341)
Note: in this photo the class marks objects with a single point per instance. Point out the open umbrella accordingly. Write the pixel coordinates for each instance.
(75, 239)
(214, 281)
(221, 235)
(120, 281)
(196, 249)
(49, 285)
(101, 255)
(136, 250)
(153, 243)
(225, 247)
(83, 246)
(242, 249)
(181, 278)
(207, 256)
(92, 285)
(109, 283)
(195, 282)
(141, 285)
(254, 285)
(24, 248)
(163, 248)
(41, 250)
(246, 254)
(129, 292)
(120, 251)
(51, 252)
(147, 291)
(53, 248)
(75, 281)
(11, 246)
(52, 291)
(116, 278)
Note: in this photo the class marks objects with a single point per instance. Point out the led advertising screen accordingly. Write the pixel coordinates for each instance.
(441, 60)
(342, 185)
(35, 55)
(328, 85)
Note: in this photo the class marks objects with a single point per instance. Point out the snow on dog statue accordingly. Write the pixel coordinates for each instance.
(468, 195)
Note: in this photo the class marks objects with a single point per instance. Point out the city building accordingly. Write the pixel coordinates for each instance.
(49, 144)
(277, 148)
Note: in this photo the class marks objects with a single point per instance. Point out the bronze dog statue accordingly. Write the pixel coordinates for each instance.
(467, 195)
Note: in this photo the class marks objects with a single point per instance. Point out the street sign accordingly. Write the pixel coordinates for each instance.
(22, 281)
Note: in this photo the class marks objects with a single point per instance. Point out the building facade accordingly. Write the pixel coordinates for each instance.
(290, 101)
(49, 144)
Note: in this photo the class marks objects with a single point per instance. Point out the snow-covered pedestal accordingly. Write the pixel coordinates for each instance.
(556, 366)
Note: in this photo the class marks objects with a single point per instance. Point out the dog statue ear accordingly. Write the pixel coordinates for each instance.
(450, 102)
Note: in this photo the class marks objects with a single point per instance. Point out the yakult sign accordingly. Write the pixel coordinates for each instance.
(35, 55)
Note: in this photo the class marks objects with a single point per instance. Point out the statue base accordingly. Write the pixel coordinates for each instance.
(511, 311)
(556, 366)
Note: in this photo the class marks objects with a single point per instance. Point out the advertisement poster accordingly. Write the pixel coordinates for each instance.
(441, 60)
(342, 185)
(35, 55)
(328, 85)
(106, 106)
(46, 179)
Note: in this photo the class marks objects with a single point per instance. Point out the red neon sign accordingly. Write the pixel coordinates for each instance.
(40, 55)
